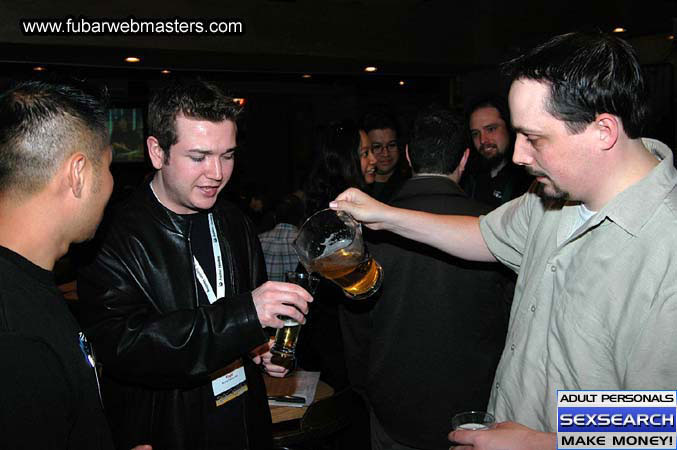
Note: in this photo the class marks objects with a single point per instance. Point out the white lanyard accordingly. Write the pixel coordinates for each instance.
(218, 262)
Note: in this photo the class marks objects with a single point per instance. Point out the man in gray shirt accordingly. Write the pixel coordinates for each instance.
(595, 301)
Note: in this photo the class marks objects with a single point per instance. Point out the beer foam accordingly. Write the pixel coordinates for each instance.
(472, 426)
(334, 242)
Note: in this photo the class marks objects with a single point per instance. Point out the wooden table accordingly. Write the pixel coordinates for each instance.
(285, 413)
(69, 290)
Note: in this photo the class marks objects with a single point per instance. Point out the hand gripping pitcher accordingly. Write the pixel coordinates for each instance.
(330, 243)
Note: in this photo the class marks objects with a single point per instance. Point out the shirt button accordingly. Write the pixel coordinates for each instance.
(498, 385)
(553, 269)
(533, 308)
(512, 347)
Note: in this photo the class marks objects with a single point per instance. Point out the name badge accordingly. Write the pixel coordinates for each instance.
(230, 383)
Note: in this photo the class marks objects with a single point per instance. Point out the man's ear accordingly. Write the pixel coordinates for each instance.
(607, 127)
(458, 172)
(464, 160)
(75, 167)
(155, 152)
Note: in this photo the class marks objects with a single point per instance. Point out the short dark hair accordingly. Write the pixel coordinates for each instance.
(437, 142)
(290, 210)
(588, 74)
(492, 101)
(500, 104)
(379, 120)
(41, 124)
(193, 98)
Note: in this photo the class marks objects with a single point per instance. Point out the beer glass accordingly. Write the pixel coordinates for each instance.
(330, 243)
(472, 420)
(287, 336)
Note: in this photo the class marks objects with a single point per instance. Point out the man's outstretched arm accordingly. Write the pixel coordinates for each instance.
(457, 235)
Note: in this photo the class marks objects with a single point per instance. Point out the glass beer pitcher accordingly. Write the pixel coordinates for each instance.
(330, 243)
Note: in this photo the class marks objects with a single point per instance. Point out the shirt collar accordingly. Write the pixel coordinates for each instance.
(286, 226)
(36, 272)
(427, 185)
(179, 223)
(633, 207)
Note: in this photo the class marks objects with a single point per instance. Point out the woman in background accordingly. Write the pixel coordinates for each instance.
(345, 160)
(332, 340)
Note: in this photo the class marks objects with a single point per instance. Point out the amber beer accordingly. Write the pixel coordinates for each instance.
(359, 277)
(286, 337)
(285, 343)
(330, 243)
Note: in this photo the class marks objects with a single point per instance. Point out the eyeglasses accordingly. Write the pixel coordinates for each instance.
(379, 148)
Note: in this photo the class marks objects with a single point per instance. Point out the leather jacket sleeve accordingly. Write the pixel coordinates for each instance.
(139, 308)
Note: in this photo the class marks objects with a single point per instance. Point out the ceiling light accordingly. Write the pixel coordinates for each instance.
(401, 83)
(133, 59)
(370, 69)
(39, 69)
(671, 37)
(619, 30)
(306, 75)
(165, 71)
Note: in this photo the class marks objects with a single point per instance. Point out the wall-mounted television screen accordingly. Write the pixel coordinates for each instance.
(125, 126)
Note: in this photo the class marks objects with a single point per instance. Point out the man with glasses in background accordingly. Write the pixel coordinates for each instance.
(391, 170)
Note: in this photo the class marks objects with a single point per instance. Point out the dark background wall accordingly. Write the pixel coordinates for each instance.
(445, 52)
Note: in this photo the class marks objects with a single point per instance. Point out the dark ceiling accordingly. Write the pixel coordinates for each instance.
(406, 37)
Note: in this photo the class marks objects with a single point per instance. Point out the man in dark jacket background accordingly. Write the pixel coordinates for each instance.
(494, 179)
(439, 324)
(176, 300)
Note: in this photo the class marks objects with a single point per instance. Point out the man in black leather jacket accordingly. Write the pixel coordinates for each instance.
(175, 301)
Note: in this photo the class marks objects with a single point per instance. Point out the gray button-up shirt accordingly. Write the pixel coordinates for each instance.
(596, 309)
